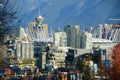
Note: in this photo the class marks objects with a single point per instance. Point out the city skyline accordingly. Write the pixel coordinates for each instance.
(85, 13)
(83, 42)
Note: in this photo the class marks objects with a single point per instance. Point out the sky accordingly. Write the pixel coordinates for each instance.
(59, 13)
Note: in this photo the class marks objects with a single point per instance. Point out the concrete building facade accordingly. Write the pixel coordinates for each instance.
(86, 40)
(60, 39)
(57, 58)
(19, 33)
(24, 49)
(37, 30)
(42, 60)
(73, 35)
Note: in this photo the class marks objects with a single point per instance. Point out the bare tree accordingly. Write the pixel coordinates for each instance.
(7, 15)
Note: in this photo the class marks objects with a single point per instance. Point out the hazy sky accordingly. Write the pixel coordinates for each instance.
(57, 13)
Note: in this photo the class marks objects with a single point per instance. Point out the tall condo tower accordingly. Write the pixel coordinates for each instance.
(60, 39)
(73, 35)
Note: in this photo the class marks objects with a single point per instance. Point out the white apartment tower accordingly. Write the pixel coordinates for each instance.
(86, 40)
(60, 39)
(23, 47)
(19, 33)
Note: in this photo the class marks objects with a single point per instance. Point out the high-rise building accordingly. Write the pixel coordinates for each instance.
(45, 28)
(30, 30)
(21, 46)
(24, 49)
(73, 35)
(19, 33)
(86, 40)
(60, 39)
(37, 31)
(20, 50)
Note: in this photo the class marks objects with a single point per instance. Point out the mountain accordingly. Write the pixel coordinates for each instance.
(59, 13)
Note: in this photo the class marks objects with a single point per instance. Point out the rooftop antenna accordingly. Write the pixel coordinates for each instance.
(91, 28)
(39, 13)
(59, 29)
(51, 32)
(82, 29)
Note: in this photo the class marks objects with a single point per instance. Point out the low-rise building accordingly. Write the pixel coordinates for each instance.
(57, 58)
